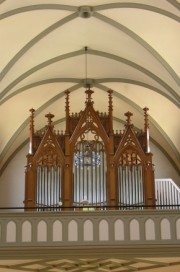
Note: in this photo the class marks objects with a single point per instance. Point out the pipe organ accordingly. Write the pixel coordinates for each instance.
(89, 163)
(89, 174)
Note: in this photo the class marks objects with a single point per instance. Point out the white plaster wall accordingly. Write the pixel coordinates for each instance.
(12, 180)
(163, 167)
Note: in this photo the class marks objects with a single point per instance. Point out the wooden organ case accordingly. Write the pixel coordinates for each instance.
(89, 163)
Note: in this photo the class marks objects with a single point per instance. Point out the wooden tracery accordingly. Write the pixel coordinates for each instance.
(89, 163)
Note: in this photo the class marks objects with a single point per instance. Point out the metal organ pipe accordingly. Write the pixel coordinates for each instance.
(130, 188)
(48, 186)
(89, 177)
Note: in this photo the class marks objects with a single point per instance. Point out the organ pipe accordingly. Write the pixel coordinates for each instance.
(49, 182)
(119, 172)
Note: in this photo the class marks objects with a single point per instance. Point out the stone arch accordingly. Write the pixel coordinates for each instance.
(134, 230)
(149, 229)
(88, 230)
(57, 231)
(42, 231)
(103, 230)
(72, 231)
(26, 231)
(178, 228)
(119, 230)
(165, 229)
(11, 232)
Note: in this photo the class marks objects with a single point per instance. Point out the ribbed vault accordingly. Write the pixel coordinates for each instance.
(133, 49)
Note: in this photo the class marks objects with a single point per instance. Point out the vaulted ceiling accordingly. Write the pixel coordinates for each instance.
(133, 49)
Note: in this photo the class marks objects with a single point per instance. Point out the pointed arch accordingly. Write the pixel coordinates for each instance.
(44, 174)
(94, 125)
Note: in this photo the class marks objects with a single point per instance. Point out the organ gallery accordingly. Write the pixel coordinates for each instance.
(89, 163)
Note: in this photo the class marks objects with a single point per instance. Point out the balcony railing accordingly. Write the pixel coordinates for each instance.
(87, 228)
(167, 193)
(99, 227)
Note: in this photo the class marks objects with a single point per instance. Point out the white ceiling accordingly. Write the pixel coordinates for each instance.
(133, 48)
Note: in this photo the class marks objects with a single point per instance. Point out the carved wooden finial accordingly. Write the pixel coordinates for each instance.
(32, 111)
(110, 100)
(128, 121)
(146, 130)
(67, 101)
(49, 117)
(32, 119)
(110, 111)
(31, 128)
(89, 92)
(146, 121)
(67, 109)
